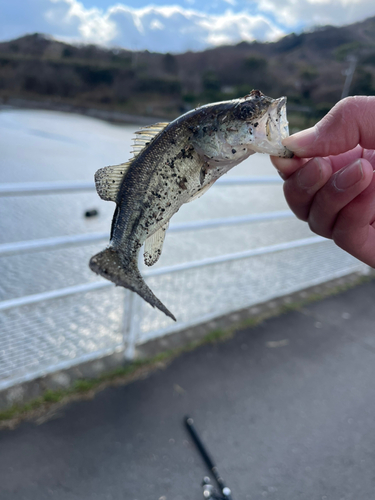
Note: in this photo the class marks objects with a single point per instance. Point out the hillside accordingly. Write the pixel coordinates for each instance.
(308, 68)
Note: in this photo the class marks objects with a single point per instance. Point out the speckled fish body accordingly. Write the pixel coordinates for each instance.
(174, 164)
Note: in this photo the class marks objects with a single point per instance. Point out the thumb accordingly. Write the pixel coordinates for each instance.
(349, 123)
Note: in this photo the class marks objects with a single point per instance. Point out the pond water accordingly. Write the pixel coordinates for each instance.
(55, 146)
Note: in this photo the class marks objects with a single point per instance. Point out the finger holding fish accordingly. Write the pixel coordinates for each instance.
(301, 187)
(335, 193)
(317, 193)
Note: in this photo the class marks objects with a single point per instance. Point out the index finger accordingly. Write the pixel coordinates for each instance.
(287, 166)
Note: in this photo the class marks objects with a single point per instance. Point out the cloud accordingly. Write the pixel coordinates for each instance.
(71, 18)
(225, 29)
(169, 28)
(174, 28)
(307, 13)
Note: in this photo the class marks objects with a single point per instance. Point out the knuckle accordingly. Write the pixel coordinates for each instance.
(289, 192)
(311, 225)
(322, 226)
(340, 238)
(341, 235)
(333, 115)
(348, 106)
(299, 209)
(288, 188)
(302, 213)
(293, 190)
(339, 118)
(298, 198)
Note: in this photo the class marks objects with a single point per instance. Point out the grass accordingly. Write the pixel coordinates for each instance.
(122, 375)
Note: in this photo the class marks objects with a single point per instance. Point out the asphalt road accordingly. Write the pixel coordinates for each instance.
(287, 410)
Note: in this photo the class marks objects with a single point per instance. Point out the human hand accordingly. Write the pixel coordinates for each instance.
(330, 182)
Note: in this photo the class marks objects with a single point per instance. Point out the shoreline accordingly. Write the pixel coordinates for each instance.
(101, 114)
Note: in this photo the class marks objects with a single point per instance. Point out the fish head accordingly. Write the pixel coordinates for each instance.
(230, 131)
(260, 123)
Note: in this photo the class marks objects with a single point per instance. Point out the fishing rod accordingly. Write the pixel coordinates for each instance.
(208, 489)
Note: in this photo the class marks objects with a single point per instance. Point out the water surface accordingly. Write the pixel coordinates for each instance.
(55, 146)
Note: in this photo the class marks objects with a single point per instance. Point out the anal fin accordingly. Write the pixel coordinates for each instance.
(154, 245)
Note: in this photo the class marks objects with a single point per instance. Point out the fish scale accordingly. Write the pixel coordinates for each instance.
(174, 164)
(161, 193)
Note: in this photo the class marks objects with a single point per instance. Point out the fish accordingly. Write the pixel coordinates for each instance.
(175, 163)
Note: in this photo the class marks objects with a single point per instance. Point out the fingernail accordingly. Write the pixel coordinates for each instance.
(310, 174)
(348, 176)
(298, 142)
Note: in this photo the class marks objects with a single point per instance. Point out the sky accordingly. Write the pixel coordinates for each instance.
(174, 25)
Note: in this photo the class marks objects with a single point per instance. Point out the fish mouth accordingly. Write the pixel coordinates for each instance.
(277, 126)
(281, 113)
(271, 129)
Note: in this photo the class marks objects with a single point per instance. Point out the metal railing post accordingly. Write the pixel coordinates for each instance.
(133, 325)
(134, 319)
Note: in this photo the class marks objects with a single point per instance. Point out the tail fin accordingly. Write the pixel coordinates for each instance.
(108, 264)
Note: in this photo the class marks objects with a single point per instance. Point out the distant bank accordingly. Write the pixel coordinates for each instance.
(107, 115)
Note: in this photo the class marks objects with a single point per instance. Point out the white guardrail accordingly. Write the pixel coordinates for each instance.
(22, 247)
(33, 188)
(37, 188)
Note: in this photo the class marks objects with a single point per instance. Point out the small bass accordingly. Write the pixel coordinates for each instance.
(175, 163)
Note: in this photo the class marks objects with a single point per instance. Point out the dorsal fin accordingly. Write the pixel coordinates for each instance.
(154, 245)
(108, 180)
(145, 135)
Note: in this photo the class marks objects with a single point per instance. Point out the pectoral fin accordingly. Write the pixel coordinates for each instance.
(200, 192)
(154, 245)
